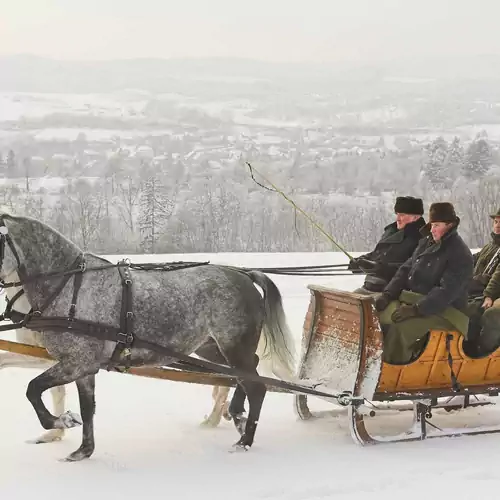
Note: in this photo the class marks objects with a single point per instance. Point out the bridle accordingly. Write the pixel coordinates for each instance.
(6, 240)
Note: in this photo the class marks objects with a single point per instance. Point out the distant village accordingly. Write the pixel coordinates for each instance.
(174, 178)
(87, 155)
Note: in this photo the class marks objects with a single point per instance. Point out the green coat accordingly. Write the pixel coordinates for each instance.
(487, 284)
(402, 340)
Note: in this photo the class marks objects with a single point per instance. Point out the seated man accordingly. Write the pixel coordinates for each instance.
(396, 245)
(484, 296)
(429, 290)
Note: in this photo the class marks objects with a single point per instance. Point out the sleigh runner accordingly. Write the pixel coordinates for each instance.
(342, 348)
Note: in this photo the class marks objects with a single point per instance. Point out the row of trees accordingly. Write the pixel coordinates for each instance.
(154, 215)
(446, 162)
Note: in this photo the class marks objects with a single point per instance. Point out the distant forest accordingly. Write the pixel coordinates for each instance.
(143, 208)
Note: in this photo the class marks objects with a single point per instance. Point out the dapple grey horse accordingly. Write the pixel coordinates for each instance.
(213, 311)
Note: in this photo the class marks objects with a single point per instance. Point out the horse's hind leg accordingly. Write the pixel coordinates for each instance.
(236, 409)
(254, 391)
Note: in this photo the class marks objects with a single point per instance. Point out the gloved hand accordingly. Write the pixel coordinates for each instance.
(403, 312)
(354, 266)
(382, 301)
(360, 264)
(372, 267)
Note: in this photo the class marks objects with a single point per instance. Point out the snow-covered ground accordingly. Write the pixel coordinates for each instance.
(149, 443)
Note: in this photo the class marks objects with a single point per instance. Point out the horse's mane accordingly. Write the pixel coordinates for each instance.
(41, 227)
(40, 224)
(4, 214)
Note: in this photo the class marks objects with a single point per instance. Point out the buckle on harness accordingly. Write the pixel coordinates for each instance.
(125, 338)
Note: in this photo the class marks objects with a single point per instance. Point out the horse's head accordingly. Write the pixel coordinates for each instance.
(31, 247)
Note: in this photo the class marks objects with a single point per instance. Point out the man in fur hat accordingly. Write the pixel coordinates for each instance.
(429, 290)
(396, 245)
(484, 296)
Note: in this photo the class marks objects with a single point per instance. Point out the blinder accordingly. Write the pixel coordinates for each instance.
(5, 239)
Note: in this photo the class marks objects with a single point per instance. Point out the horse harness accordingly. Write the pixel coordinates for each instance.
(123, 335)
(35, 320)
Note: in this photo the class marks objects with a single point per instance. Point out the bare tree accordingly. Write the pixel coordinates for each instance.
(129, 193)
(155, 210)
(86, 205)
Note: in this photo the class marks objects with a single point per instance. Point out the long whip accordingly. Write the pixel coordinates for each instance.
(296, 207)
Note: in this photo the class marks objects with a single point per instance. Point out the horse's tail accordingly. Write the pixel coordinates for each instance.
(276, 346)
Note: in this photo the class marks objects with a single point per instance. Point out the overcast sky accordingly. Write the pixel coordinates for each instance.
(284, 30)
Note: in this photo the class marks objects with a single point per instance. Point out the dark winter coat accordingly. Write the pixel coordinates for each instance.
(441, 271)
(393, 250)
(483, 283)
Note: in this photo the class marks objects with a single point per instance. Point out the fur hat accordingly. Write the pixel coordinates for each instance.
(409, 205)
(442, 212)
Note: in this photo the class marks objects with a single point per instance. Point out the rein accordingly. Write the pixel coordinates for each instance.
(123, 335)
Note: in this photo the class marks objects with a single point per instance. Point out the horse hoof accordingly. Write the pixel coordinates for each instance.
(49, 437)
(77, 455)
(68, 420)
(210, 422)
(239, 447)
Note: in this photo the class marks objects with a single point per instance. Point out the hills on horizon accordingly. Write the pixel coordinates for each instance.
(30, 73)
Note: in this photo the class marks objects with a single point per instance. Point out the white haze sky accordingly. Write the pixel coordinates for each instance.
(279, 30)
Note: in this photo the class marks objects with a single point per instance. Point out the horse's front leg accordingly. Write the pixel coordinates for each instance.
(14, 360)
(58, 401)
(86, 392)
(64, 372)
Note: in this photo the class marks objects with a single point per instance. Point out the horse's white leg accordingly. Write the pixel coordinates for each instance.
(14, 360)
(219, 395)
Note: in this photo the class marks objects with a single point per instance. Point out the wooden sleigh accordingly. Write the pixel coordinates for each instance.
(342, 351)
